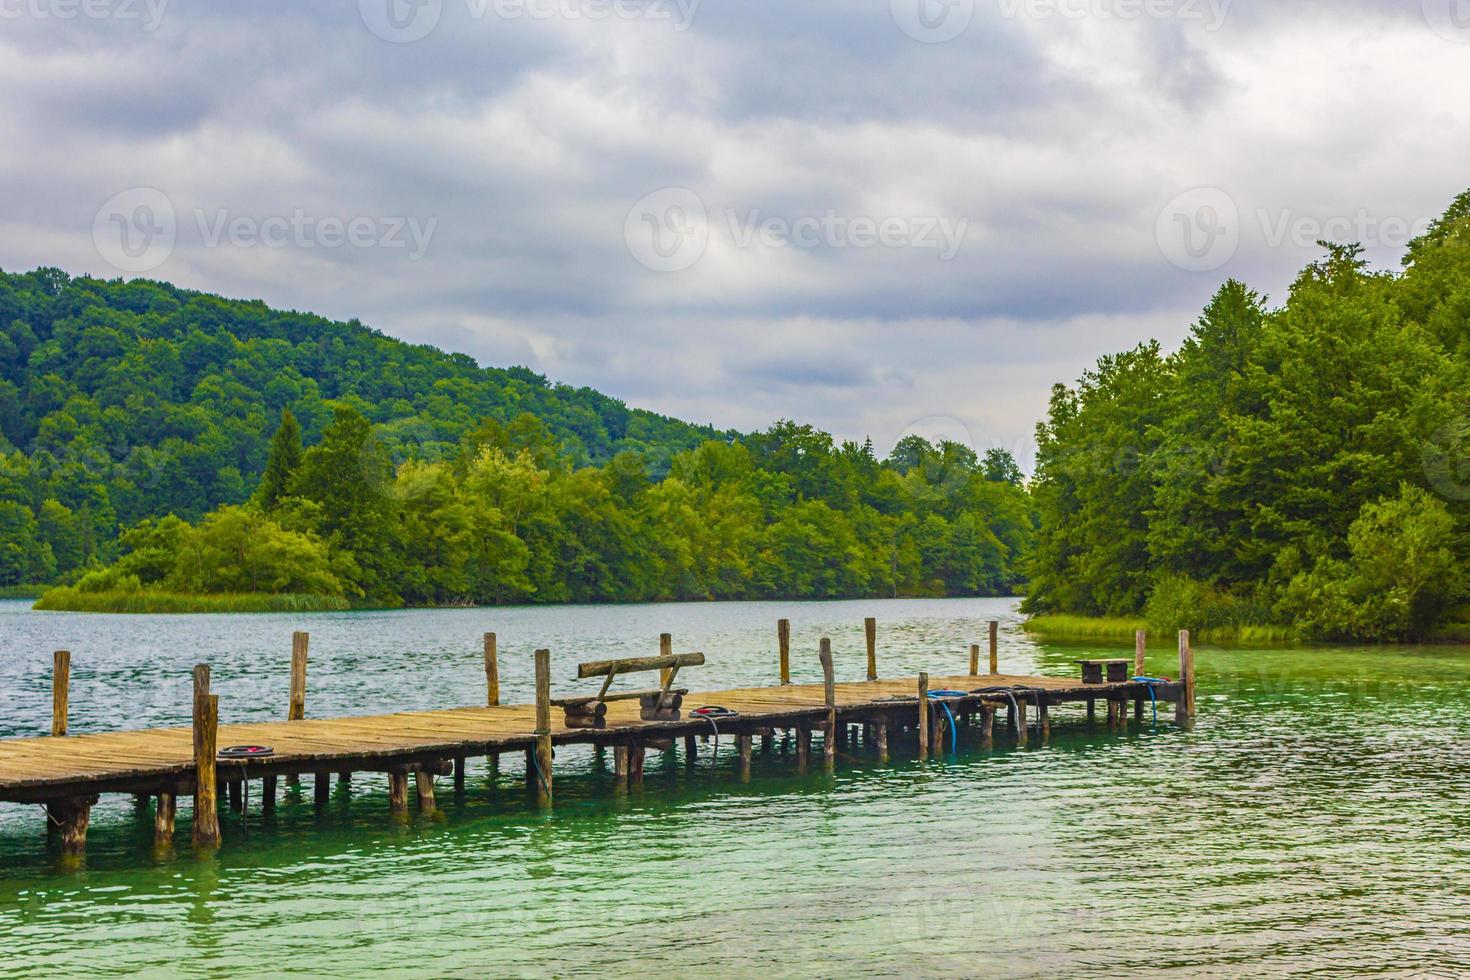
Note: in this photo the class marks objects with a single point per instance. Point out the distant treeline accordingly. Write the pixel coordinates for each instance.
(121, 401)
(1304, 465)
(510, 518)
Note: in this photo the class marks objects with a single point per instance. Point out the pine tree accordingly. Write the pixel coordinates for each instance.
(281, 464)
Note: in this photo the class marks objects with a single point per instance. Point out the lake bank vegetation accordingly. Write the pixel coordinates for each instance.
(1304, 464)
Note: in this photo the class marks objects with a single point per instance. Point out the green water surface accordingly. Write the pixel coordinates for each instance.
(1312, 821)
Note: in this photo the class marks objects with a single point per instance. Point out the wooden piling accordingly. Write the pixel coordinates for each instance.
(543, 728)
(974, 659)
(459, 770)
(1044, 711)
(424, 783)
(268, 796)
(665, 649)
(987, 724)
(321, 790)
(206, 745)
(398, 794)
(60, 690)
(1021, 725)
(994, 647)
(870, 629)
(71, 815)
(1184, 709)
(803, 745)
(923, 715)
(492, 671)
(296, 702)
(1140, 651)
(880, 736)
(783, 640)
(743, 743)
(829, 693)
(163, 819)
(691, 750)
(296, 710)
(636, 754)
(236, 795)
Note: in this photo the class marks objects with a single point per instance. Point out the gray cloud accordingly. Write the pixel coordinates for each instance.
(525, 141)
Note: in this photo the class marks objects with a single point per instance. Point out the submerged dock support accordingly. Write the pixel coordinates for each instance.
(398, 795)
(1184, 708)
(829, 695)
(71, 815)
(163, 819)
(542, 756)
(206, 735)
(923, 716)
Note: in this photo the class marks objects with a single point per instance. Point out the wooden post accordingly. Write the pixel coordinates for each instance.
(398, 795)
(1021, 726)
(974, 659)
(1184, 710)
(923, 715)
(492, 671)
(60, 686)
(803, 744)
(235, 793)
(163, 819)
(636, 755)
(1123, 713)
(1091, 710)
(1045, 720)
(829, 694)
(665, 649)
(994, 647)
(72, 814)
(691, 750)
(424, 782)
(987, 724)
(268, 796)
(297, 708)
(620, 765)
(296, 705)
(880, 735)
(543, 727)
(743, 742)
(321, 790)
(459, 768)
(1140, 650)
(870, 627)
(783, 639)
(206, 745)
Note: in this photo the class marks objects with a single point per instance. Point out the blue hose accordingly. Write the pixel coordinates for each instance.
(954, 730)
(1152, 694)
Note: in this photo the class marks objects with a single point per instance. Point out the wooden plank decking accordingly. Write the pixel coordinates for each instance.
(40, 768)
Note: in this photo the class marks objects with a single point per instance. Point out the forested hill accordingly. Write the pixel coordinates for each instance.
(134, 399)
(173, 450)
(1304, 465)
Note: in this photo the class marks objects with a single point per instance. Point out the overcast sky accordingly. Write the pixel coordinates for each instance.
(879, 216)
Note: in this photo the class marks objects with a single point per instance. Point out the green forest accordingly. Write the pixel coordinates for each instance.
(157, 443)
(1303, 464)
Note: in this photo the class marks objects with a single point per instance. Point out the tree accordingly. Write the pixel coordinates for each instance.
(281, 464)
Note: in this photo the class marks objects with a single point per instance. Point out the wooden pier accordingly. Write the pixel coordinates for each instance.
(66, 773)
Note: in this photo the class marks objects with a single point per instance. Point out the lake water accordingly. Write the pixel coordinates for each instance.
(1314, 820)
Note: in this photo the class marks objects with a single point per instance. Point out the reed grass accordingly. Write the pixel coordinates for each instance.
(67, 599)
(1120, 630)
(22, 591)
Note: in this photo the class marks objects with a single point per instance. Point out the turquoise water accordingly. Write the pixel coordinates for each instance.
(1312, 821)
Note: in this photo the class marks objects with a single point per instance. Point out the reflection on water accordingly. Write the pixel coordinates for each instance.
(1313, 820)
